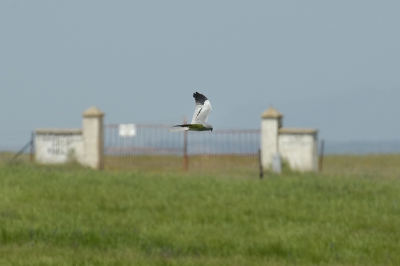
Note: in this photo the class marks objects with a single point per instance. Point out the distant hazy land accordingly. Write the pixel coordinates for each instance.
(361, 147)
(330, 147)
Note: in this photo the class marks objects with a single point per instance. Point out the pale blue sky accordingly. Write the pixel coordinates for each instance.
(331, 65)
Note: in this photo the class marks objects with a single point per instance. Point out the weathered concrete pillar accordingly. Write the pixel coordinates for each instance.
(92, 132)
(271, 121)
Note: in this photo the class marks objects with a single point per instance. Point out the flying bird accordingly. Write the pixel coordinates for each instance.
(200, 116)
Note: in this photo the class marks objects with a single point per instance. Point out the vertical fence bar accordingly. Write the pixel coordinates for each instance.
(321, 157)
(110, 147)
(110, 152)
(113, 150)
(32, 143)
(185, 145)
(260, 164)
(107, 148)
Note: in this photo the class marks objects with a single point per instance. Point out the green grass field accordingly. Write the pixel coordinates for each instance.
(68, 215)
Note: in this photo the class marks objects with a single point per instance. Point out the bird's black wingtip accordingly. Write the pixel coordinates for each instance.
(200, 98)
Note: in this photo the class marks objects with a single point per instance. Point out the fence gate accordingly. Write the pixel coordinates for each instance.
(152, 147)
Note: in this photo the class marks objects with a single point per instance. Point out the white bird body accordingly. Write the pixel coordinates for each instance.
(201, 112)
(200, 116)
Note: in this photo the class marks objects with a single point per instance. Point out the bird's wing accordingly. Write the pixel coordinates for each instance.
(178, 128)
(202, 110)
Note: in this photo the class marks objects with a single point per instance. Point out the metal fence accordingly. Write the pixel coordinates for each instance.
(152, 147)
(17, 148)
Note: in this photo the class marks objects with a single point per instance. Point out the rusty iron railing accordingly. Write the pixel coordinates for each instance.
(154, 148)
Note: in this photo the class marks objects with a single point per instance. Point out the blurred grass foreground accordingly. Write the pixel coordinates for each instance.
(69, 215)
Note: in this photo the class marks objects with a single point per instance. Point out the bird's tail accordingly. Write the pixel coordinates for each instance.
(178, 128)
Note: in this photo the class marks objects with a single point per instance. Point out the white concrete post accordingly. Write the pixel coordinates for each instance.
(270, 124)
(92, 132)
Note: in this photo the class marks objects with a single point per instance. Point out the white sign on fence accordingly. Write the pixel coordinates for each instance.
(127, 130)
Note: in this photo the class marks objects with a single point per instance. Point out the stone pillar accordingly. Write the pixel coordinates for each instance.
(271, 121)
(92, 132)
